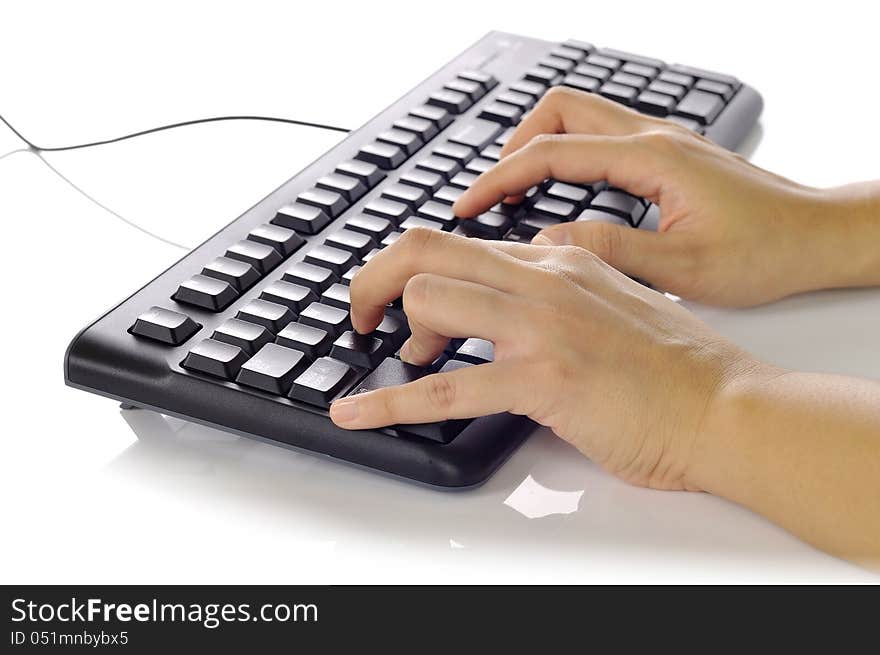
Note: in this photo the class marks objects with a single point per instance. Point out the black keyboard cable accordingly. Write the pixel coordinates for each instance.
(39, 150)
(170, 126)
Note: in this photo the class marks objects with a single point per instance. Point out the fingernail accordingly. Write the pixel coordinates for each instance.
(345, 410)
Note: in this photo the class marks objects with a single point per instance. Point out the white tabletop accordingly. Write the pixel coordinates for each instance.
(94, 494)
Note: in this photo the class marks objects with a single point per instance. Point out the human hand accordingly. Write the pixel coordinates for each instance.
(730, 233)
(618, 370)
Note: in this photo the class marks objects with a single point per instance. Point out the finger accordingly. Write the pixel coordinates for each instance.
(440, 308)
(566, 110)
(632, 163)
(464, 393)
(656, 257)
(428, 251)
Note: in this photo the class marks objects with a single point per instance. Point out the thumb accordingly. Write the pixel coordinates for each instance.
(645, 254)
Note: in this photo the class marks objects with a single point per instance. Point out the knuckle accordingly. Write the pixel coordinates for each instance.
(416, 241)
(557, 94)
(440, 391)
(544, 143)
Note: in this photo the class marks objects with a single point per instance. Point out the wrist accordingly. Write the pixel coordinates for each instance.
(841, 228)
(726, 439)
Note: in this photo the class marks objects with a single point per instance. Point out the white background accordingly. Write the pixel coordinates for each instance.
(84, 500)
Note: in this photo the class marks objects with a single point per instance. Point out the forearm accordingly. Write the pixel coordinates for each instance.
(841, 238)
(802, 449)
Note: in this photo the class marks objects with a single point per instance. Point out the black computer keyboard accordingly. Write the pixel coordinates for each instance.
(250, 332)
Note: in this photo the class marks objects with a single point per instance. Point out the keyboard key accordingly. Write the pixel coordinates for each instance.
(357, 243)
(630, 57)
(312, 341)
(667, 89)
(409, 141)
(560, 64)
(701, 106)
(639, 69)
(337, 295)
(316, 278)
(273, 369)
(619, 93)
(418, 221)
(475, 134)
(422, 179)
(479, 165)
(708, 75)
(374, 251)
(438, 211)
(553, 207)
(456, 151)
(437, 115)
(302, 218)
(240, 275)
(412, 196)
(392, 372)
(262, 257)
(626, 79)
(602, 217)
(543, 75)
(335, 259)
(658, 104)
(332, 320)
(651, 219)
(205, 292)
(350, 187)
(486, 80)
(390, 238)
(576, 195)
(372, 226)
(330, 202)
(584, 47)
(620, 203)
(361, 350)
(283, 239)
(425, 129)
(454, 365)
(395, 212)
(723, 90)
(165, 325)
(491, 225)
(383, 155)
(369, 174)
(596, 72)
(492, 152)
(502, 113)
(676, 78)
(446, 167)
(270, 315)
(565, 52)
(289, 294)
(215, 358)
(473, 90)
(349, 274)
(476, 351)
(611, 63)
(250, 337)
(448, 194)
(531, 224)
(393, 330)
(529, 87)
(463, 180)
(323, 381)
(454, 102)
(581, 82)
